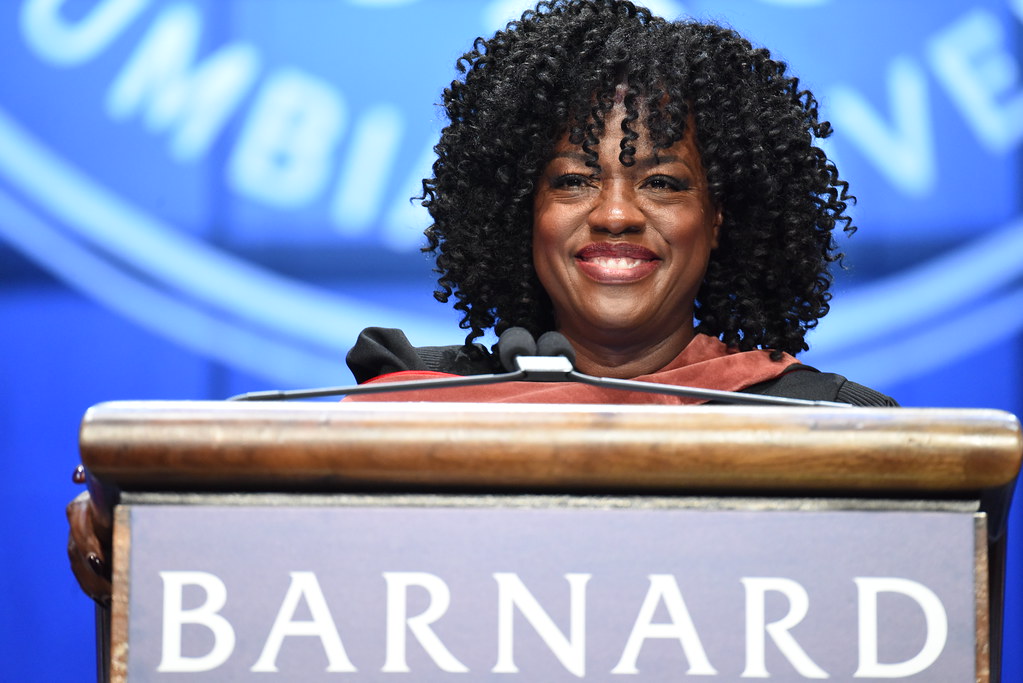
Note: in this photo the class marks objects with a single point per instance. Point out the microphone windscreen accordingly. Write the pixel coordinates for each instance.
(555, 344)
(515, 342)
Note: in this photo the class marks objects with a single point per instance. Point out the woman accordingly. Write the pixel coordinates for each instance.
(611, 175)
(649, 189)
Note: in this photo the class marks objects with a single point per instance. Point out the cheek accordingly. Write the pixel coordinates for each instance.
(543, 253)
(547, 240)
(687, 228)
(550, 245)
(540, 252)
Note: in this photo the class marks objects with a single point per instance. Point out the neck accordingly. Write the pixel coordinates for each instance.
(625, 360)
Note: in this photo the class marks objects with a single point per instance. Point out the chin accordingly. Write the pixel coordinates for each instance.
(617, 327)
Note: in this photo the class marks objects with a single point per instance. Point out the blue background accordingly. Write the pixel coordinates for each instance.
(137, 262)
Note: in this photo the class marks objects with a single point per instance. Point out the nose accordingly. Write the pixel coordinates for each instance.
(616, 211)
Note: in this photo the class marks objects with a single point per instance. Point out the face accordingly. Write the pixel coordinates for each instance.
(621, 250)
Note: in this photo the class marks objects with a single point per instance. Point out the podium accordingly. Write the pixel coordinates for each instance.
(439, 541)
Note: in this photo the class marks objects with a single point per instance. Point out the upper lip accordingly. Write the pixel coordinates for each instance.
(615, 250)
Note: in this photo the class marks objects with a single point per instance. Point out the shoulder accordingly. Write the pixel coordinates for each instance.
(803, 381)
(379, 351)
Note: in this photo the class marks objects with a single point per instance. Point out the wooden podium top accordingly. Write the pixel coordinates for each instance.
(281, 446)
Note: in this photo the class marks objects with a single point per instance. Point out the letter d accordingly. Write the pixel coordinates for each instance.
(174, 617)
(936, 625)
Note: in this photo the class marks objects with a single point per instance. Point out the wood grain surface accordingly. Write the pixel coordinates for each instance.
(327, 446)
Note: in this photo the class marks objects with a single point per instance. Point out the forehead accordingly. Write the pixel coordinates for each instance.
(613, 142)
(629, 124)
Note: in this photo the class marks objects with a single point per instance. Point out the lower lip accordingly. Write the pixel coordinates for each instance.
(605, 275)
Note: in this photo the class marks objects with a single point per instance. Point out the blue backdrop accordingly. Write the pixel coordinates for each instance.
(204, 197)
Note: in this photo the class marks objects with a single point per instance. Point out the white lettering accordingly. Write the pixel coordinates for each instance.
(68, 44)
(903, 152)
(197, 103)
(935, 619)
(286, 148)
(799, 604)
(972, 60)
(664, 588)
(398, 584)
(571, 651)
(365, 175)
(206, 614)
(304, 586)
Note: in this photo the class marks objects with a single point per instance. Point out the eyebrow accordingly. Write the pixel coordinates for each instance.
(646, 162)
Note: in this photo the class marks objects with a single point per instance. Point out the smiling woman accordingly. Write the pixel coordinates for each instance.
(622, 249)
(652, 190)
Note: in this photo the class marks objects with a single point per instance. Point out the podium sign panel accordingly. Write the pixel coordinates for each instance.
(548, 588)
(423, 542)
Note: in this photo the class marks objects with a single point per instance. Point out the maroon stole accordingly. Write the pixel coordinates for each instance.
(706, 362)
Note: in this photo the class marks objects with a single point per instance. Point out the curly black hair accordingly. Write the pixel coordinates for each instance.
(555, 72)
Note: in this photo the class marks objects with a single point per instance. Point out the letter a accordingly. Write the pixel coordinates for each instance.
(663, 587)
(304, 585)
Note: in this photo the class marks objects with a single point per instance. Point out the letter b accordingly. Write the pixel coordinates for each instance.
(206, 614)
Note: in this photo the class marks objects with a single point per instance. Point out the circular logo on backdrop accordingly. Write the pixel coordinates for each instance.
(179, 162)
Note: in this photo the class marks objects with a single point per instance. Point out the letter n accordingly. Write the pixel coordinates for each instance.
(512, 594)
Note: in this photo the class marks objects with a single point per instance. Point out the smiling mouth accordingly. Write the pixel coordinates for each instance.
(616, 263)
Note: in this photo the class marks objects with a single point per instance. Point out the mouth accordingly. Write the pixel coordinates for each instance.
(616, 263)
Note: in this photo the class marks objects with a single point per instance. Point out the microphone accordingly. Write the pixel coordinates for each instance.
(515, 342)
(555, 344)
(549, 359)
(555, 362)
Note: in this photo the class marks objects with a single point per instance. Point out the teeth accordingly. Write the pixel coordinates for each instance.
(617, 263)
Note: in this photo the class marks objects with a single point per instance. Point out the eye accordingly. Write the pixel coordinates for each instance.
(569, 181)
(666, 182)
